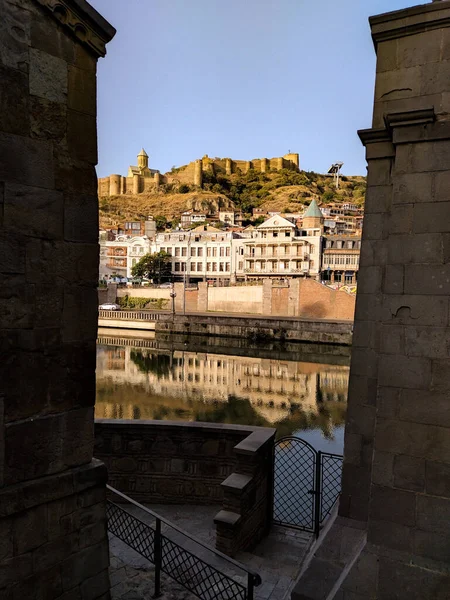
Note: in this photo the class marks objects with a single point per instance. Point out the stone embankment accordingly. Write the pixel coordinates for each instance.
(253, 328)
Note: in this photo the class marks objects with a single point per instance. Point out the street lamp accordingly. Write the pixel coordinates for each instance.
(173, 296)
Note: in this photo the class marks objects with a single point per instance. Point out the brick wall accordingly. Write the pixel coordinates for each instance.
(195, 463)
(317, 301)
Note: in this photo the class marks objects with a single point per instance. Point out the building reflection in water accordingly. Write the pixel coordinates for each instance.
(149, 383)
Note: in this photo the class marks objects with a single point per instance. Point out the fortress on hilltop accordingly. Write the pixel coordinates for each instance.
(141, 178)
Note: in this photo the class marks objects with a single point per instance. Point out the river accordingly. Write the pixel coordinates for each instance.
(301, 389)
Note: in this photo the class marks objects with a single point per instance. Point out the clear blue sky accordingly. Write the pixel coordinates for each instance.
(242, 79)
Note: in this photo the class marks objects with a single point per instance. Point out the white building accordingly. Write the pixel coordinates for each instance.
(117, 257)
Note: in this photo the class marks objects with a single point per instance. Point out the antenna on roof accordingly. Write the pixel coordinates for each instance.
(335, 170)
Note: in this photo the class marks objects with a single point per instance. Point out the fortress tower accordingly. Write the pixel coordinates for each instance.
(142, 159)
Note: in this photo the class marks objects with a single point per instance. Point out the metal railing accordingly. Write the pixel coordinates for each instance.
(174, 557)
(131, 315)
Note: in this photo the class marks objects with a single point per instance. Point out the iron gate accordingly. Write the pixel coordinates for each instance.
(307, 484)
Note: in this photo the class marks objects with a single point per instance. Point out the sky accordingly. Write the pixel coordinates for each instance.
(242, 79)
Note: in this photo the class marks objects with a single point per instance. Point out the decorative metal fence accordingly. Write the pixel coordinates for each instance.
(172, 553)
(307, 484)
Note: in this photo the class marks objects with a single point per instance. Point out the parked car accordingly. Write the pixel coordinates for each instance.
(165, 285)
(109, 306)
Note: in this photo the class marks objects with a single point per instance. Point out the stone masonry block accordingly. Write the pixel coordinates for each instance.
(415, 309)
(413, 187)
(82, 147)
(387, 57)
(432, 545)
(15, 569)
(430, 156)
(421, 49)
(14, 109)
(392, 339)
(378, 199)
(16, 303)
(30, 529)
(432, 342)
(84, 564)
(413, 439)
(26, 161)
(401, 218)
(434, 77)
(12, 253)
(394, 276)
(404, 372)
(409, 473)
(369, 280)
(81, 218)
(80, 324)
(45, 206)
(362, 578)
(15, 36)
(52, 40)
(411, 582)
(398, 84)
(94, 587)
(48, 76)
(391, 535)
(441, 187)
(420, 248)
(48, 120)
(383, 469)
(433, 514)
(437, 478)
(393, 506)
(430, 217)
(440, 380)
(379, 172)
(388, 402)
(82, 95)
(375, 227)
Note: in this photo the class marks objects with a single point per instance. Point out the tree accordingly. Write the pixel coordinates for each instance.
(161, 222)
(154, 266)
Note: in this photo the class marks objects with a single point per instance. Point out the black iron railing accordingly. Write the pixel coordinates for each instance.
(307, 484)
(170, 550)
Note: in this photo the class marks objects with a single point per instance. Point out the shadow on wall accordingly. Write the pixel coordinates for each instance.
(317, 309)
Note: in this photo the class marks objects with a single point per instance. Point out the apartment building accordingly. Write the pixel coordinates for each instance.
(340, 258)
(198, 255)
(118, 256)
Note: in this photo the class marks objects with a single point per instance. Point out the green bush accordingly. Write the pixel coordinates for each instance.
(131, 302)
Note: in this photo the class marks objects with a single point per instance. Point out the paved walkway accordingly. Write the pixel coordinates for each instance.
(277, 558)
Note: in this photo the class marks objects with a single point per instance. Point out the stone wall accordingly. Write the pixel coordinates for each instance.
(317, 301)
(391, 539)
(195, 463)
(53, 541)
(299, 297)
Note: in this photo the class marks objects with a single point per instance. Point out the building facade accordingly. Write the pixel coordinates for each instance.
(118, 257)
(340, 258)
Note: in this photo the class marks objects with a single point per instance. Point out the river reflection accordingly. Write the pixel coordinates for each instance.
(141, 379)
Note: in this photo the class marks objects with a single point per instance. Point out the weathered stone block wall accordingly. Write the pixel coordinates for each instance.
(280, 300)
(48, 302)
(195, 463)
(395, 486)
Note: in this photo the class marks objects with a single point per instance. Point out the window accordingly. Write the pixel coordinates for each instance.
(328, 244)
(339, 245)
(275, 234)
(193, 251)
(134, 261)
(177, 252)
(199, 251)
(192, 266)
(214, 251)
(227, 267)
(181, 238)
(199, 266)
(197, 238)
(208, 252)
(208, 266)
(350, 245)
(228, 251)
(286, 249)
(241, 265)
(183, 266)
(222, 251)
(221, 267)
(162, 249)
(214, 265)
(177, 266)
(287, 233)
(184, 251)
(141, 250)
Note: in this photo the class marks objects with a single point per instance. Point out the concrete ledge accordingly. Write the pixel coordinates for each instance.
(227, 518)
(236, 482)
